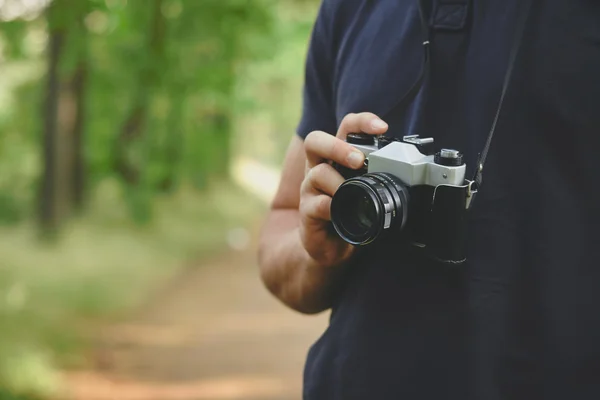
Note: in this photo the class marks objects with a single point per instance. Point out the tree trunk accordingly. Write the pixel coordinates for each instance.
(221, 140)
(48, 194)
(131, 130)
(79, 85)
(173, 151)
(63, 176)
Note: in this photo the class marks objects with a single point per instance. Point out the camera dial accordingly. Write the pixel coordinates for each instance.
(449, 158)
(360, 138)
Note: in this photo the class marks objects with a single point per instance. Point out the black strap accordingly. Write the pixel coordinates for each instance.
(518, 38)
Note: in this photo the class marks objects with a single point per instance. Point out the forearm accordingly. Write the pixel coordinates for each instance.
(289, 272)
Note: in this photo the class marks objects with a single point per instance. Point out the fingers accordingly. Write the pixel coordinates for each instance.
(316, 207)
(363, 122)
(320, 146)
(323, 178)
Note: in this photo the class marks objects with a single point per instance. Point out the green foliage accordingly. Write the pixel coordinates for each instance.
(173, 62)
(192, 69)
(14, 34)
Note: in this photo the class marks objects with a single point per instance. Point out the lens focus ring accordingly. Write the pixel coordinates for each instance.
(385, 199)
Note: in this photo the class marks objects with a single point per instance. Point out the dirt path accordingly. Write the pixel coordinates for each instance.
(214, 334)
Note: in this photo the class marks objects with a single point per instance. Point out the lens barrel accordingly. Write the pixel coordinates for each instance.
(366, 206)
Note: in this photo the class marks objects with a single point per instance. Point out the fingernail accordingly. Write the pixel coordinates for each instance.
(356, 159)
(378, 124)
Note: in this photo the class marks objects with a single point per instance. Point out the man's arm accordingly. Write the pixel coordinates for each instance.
(287, 269)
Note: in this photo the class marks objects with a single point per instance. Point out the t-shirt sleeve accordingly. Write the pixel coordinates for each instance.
(318, 110)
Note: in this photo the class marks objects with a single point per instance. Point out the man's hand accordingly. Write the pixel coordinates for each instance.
(298, 251)
(321, 181)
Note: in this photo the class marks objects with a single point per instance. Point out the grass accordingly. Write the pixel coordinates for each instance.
(101, 267)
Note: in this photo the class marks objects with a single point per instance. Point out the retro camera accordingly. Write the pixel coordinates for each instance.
(406, 188)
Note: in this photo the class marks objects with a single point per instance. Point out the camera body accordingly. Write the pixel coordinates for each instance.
(408, 189)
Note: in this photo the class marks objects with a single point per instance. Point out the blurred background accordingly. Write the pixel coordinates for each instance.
(140, 142)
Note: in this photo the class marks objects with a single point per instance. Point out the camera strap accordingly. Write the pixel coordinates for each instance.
(475, 184)
(518, 39)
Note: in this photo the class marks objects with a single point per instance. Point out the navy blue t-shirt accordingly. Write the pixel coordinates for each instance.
(522, 319)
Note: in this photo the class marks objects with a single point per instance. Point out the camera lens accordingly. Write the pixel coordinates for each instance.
(360, 211)
(364, 207)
